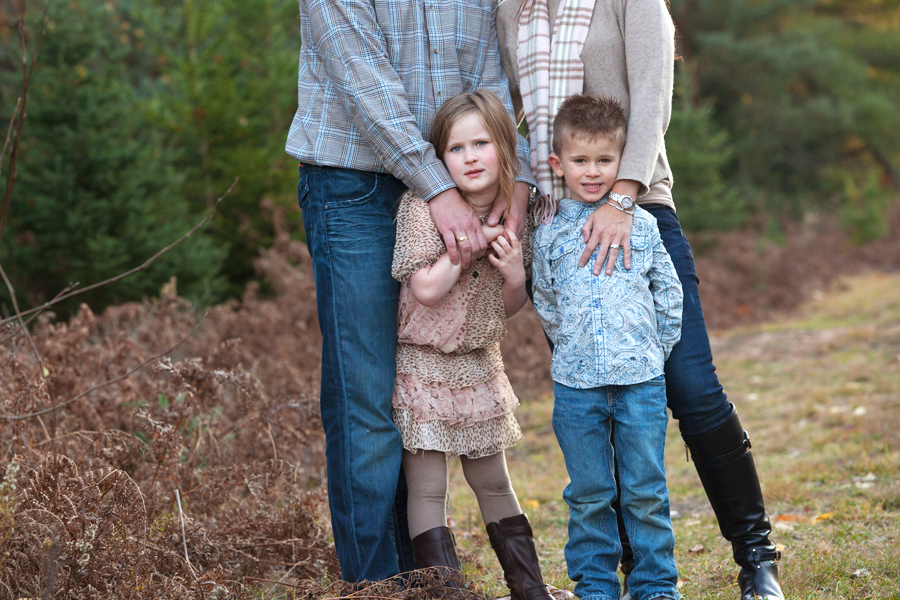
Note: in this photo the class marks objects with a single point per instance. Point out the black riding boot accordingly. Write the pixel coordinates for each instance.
(728, 474)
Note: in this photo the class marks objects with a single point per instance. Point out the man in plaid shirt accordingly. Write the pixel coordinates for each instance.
(372, 74)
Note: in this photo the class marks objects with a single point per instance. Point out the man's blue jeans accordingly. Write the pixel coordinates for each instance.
(350, 231)
(695, 396)
(582, 422)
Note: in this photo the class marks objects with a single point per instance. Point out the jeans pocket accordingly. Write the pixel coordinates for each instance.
(344, 188)
(303, 188)
(659, 381)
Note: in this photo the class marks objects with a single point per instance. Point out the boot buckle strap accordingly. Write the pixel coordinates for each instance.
(758, 555)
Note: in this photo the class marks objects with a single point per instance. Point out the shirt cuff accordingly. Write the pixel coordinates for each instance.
(430, 180)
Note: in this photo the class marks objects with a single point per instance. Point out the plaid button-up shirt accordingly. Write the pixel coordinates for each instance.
(373, 73)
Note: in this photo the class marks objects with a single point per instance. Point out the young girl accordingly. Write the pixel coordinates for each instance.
(451, 396)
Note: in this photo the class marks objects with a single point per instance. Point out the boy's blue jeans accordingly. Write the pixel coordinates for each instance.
(349, 216)
(581, 421)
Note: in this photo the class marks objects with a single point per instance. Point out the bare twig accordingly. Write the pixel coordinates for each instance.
(27, 71)
(37, 314)
(12, 122)
(59, 298)
(105, 383)
(184, 541)
(248, 578)
(12, 295)
(183, 538)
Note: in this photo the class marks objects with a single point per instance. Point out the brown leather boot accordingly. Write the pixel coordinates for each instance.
(513, 542)
(437, 548)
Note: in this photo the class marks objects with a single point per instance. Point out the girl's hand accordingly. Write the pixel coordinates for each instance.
(492, 233)
(507, 258)
(606, 228)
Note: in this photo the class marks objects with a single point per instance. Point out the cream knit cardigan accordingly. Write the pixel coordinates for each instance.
(636, 33)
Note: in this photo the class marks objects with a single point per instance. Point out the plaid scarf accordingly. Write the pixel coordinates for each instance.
(550, 70)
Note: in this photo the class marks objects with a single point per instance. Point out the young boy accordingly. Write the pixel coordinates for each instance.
(611, 336)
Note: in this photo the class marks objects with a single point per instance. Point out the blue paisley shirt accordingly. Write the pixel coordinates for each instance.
(606, 330)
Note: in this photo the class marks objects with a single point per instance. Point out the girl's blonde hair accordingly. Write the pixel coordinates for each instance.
(496, 120)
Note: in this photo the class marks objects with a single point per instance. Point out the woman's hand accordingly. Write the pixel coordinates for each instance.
(608, 230)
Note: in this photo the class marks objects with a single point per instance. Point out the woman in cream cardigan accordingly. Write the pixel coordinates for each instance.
(551, 49)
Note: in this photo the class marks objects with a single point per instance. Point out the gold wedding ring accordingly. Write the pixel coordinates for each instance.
(462, 239)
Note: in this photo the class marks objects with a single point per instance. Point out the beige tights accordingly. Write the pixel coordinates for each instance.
(426, 478)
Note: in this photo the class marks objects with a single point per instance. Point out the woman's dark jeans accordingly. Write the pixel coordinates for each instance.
(693, 392)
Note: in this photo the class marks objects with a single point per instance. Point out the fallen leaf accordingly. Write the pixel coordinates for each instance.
(789, 518)
(531, 504)
(698, 549)
(822, 517)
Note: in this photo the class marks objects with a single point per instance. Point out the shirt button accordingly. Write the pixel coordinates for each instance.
(596, 304)
(436, 51)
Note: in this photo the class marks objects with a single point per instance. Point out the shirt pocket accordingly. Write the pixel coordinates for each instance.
(641, 252)
(564, 262)
(474, 19)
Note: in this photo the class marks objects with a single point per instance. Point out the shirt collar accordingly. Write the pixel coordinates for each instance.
(572, 209)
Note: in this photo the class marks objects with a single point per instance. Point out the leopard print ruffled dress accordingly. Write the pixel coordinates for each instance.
(451, 393)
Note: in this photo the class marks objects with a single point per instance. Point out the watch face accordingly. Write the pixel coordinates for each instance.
(625, 202)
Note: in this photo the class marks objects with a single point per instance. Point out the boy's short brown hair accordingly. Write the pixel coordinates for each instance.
(588, 116)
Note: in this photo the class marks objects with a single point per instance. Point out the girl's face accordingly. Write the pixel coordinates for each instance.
(471, 158)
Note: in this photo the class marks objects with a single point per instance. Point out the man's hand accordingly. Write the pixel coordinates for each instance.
(459, 226)
(514, 218)
(609, 230)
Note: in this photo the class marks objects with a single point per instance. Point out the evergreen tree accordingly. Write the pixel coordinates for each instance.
(698, 153)
(97, 194)
(225, 94)
(806, 90)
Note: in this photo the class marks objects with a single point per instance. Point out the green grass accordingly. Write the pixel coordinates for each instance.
(819, 393)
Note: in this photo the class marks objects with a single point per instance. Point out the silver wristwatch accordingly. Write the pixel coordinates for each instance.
(626, 203)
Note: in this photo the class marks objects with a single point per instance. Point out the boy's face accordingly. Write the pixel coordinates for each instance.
(589, 166)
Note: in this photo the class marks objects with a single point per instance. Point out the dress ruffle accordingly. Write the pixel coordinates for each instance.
(452, 370)
(481, 439)
(430, 400)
